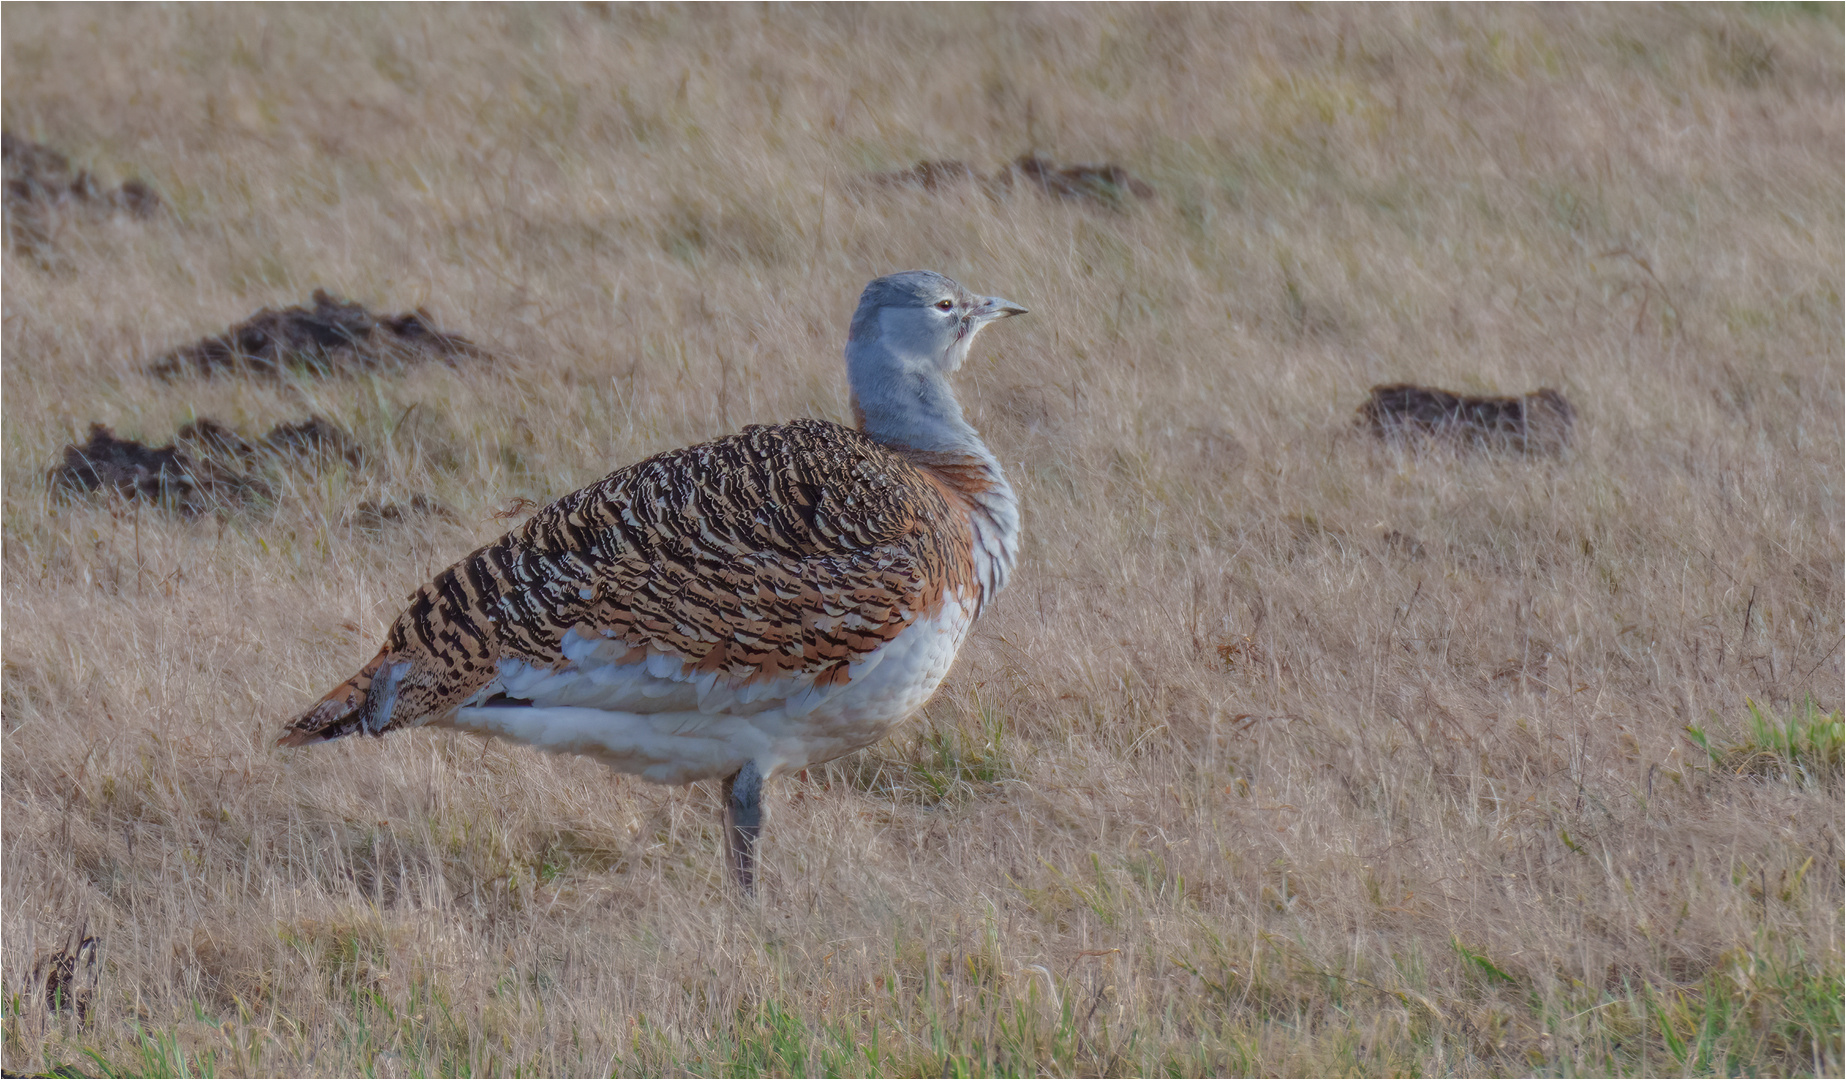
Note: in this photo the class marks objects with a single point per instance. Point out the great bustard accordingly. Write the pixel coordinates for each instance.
(737, 609)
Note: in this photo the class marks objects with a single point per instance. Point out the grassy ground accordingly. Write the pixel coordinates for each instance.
(1286, 753)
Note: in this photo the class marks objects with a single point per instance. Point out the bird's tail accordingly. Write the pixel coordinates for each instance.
(339, 713)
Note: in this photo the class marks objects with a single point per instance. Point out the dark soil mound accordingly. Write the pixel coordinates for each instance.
(1108, 185)
(207, 466)
(314, 439)
(40, 184)
(167, 476)
(1105, 185)
(332, 337)
(37, 174)
(1538, 422)
(929, 175)
(206, 437)
(373, 516)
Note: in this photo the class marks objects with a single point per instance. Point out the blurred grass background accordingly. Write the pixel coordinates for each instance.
(1286, 752)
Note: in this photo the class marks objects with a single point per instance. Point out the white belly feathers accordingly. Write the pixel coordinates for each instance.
(671, 726)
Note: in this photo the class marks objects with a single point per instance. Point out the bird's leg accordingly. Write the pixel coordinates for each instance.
(743, 821)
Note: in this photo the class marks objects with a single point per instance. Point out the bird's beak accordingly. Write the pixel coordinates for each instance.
(993, 307)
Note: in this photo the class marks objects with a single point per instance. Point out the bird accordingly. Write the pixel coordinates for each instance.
(735, 610)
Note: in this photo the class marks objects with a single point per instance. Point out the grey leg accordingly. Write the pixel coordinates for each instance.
(743, 822)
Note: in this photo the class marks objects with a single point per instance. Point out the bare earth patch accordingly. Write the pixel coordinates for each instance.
(208, 466)
(373, 515)
(1539, 422)
(334, 337)
(42, 189)
(1104, 185)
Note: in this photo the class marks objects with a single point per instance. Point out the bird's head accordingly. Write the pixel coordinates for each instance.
(921, 318)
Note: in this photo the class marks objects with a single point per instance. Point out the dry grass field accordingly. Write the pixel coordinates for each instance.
(1288, 751)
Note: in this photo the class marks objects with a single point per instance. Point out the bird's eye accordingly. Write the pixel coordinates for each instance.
(945, 305)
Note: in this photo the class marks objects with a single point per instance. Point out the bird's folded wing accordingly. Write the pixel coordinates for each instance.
(787, 551)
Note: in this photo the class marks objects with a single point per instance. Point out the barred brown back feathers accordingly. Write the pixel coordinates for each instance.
(730, 556)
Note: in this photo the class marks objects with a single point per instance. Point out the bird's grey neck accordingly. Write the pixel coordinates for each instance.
(921, 419)
(917, 415)
(912, 410)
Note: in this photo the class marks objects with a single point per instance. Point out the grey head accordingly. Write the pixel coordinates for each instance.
(927, 315)
(911, 331)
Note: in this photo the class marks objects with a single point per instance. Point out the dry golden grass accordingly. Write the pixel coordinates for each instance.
(1286, 753)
